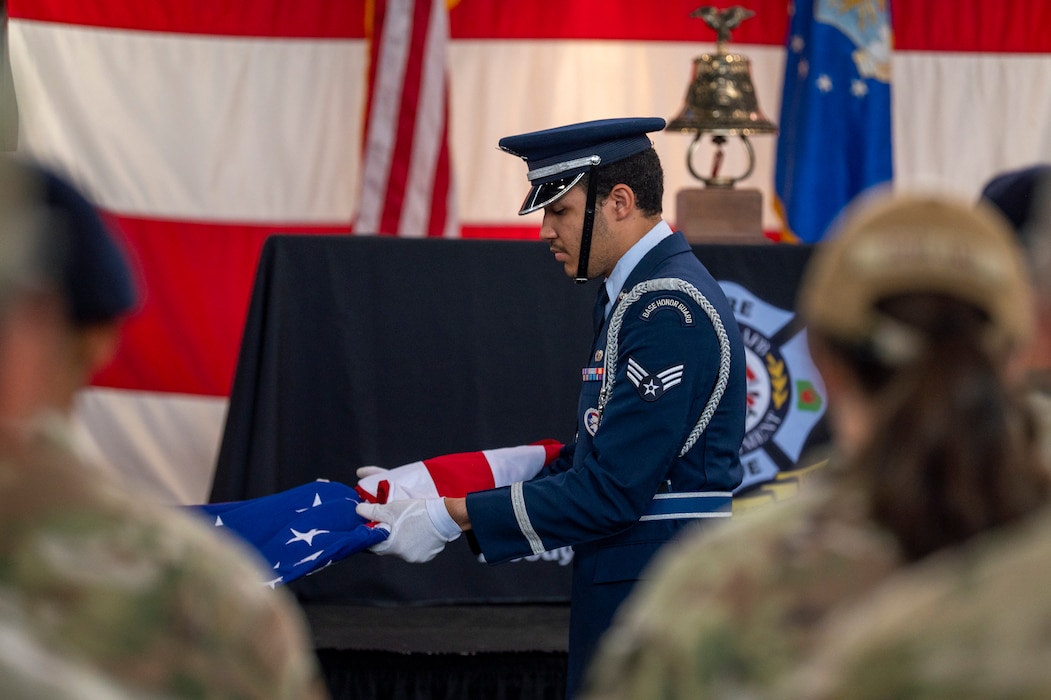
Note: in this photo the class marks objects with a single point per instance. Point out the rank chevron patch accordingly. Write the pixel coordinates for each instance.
(652, 386)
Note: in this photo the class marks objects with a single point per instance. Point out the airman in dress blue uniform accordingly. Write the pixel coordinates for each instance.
(661, 412)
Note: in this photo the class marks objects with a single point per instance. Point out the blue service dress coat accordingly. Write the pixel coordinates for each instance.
(625, 488)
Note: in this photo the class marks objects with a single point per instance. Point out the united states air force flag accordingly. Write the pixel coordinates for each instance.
(835, 138)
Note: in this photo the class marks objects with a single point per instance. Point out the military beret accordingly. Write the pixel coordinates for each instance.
(558, 158)
(1016, 194)
(96, 277)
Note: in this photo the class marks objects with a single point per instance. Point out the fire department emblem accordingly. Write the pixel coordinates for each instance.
(785, 393)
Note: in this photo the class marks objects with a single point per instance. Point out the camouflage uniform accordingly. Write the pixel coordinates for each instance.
(153, 600)
(29, 671)
(727, 612)
(966, 624)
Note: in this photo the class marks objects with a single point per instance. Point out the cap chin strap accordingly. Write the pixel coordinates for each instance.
(585, 233)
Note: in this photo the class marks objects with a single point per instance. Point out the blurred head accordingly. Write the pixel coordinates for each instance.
(917, 309)
(95, 280)
(1020, 195)
(92, 278)
(32, 314)
(888, 247)
(1023, 196)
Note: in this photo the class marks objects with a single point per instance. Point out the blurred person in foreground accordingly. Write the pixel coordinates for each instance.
(972, 622)
(156, 603)
(1023, 195)
(918, 312)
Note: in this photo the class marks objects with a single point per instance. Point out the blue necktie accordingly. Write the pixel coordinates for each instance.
(600, 308)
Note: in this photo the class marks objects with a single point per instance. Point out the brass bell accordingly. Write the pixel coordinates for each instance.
(721, 99)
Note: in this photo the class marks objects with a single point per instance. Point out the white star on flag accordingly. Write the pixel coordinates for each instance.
(309, 558)
(307, 536)
(315, 504)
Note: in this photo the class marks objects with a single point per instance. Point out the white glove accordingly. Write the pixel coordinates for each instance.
(419, 528)
(400, 483)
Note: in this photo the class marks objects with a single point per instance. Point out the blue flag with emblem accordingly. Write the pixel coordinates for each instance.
(835, 126)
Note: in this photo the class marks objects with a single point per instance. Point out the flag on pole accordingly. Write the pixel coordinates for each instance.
(407, 187)
(835, 138)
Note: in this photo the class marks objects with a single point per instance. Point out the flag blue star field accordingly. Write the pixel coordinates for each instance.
(835, 126)
(301, 530)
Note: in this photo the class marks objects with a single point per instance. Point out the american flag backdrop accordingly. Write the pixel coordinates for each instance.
(201, 128)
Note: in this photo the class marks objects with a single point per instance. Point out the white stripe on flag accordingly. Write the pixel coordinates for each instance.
(163, 446)
(185, 127)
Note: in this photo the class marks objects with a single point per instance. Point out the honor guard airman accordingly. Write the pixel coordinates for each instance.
(661, 412)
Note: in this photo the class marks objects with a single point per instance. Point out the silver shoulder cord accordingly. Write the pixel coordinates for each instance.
(612, 340)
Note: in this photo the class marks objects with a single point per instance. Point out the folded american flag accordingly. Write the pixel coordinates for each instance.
(309, 527)
(301, 530)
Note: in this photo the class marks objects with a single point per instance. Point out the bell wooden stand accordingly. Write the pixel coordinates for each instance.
(720, 215)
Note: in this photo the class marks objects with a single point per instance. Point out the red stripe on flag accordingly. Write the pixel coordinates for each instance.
(470, 19)
(459, 474)
(668, 20)
(993, 26)
(316, 19)
(196, 282)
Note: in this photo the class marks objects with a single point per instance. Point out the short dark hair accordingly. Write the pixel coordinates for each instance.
(641, 172)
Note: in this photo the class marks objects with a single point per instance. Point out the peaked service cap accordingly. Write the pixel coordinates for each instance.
(558, 158)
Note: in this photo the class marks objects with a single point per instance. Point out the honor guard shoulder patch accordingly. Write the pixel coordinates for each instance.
(652, 386)
(670, 303)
